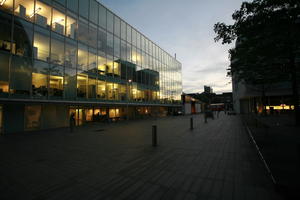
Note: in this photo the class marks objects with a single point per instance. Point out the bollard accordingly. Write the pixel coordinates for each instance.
(205, 118)
(191, 123)
(154, 135)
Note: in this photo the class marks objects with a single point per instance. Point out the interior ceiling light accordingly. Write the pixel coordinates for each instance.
(36, 11)
(2, 2)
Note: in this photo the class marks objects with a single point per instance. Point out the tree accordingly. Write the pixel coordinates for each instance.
(267, 44)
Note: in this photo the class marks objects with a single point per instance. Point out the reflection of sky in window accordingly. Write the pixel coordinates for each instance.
(184, 28)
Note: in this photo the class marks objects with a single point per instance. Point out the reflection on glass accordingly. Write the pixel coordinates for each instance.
(71, 27)
(83, 35)
(92, 61)
(102, 16)
(20, 75)
(71, 53)
(41, 44)
(58, 22)
(7, 5)
(82, 84)
(70, 83)
(23, 35)
(82, 57)
(110, 21)
(117, 69)
(116, 47)
(92, 36)
(101, 89)
(42, 14)
(5, 33)
(109, 66)
(4, 76)
(101, 65)
(24, 9)
(110, 44)
(56, 81)
(40, 79)
(92, 88)
(57, 49)
(101, 40)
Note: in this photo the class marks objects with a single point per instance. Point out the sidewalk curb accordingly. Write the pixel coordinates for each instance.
(260, 154)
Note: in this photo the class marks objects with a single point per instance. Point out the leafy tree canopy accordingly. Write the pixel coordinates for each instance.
(267, 36)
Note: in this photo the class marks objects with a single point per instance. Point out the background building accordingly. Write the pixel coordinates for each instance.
(64, 56)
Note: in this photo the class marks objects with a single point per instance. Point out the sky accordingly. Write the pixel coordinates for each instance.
(185, 27)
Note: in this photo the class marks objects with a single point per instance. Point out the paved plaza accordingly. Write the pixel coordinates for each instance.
(116, 161)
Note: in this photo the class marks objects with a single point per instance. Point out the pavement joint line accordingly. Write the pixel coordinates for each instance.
(260, 154)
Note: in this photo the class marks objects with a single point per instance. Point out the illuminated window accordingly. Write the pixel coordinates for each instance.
(56, 81)
(71, 27)
(42, 14)
(92, 88)
(41, 44)
(82, 84)
(117, 69)
(92, 61)
(24, 9)
(101, 89)
(58, 22)
(101, 65)
(109, 66)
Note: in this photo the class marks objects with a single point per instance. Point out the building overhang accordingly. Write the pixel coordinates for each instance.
(86, 103)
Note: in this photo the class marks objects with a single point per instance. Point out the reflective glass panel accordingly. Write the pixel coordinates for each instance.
(5, 33)
(71, 29)
(41, 44)
(40, 74)
(70, 84)
(84, 8)
(42, 14)
(110, 22)
(101, 89)
(20, 75)
(58, 22)
(56, 81)
(57, 49)
(102, 16)
(23, 35)
(4, 75)
(82, 57)
(71, 53)
(94, 11)
(25, 9)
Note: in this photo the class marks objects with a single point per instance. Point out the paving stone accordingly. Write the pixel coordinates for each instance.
(214, 161)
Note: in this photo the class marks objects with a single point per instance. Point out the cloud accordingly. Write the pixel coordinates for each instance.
(185, 28)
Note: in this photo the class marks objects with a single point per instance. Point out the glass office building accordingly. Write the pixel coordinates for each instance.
(64, 56)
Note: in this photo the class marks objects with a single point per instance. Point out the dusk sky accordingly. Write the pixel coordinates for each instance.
(185, 28)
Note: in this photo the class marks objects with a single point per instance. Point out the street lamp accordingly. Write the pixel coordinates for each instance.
(129, 82)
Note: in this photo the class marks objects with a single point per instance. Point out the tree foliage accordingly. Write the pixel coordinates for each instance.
(267, 35)
(267, 50)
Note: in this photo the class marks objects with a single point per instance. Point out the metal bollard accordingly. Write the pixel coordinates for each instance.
(154, 135)
(191, 123)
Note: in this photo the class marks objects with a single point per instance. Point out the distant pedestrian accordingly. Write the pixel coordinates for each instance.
(72, 122)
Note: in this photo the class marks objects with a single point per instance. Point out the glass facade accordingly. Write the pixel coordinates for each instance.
(79, 50)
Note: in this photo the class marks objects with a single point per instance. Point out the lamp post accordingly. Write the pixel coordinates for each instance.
(128, 90)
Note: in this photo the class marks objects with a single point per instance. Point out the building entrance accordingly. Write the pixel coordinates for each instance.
(78, 115)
